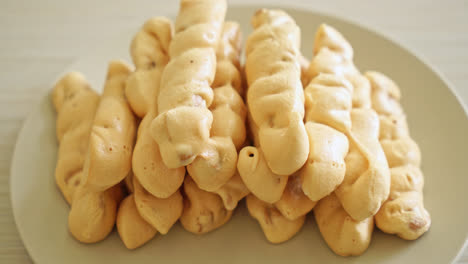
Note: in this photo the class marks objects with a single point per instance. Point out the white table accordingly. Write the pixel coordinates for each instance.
(40, 38)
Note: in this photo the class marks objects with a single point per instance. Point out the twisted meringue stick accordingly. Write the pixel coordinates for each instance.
(113, 133)
(275, 96)
(150, 51)
(229, 113)
(328, 106)
(108, 158)
(365, 168)
(217, 163)
(76, 105)
(205, 211)
(403, 213)
(182, 127)
(360, 195)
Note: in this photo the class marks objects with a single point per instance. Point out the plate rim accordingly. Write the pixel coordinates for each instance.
(294, 7)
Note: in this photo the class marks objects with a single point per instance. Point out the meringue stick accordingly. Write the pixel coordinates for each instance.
(203, 211)
(276, 227)
(403, 213)
(275, 95)
(132, 228)
(360, 195)
(328, 105)
(344, 235)
(112, 135)
(150, 49)
(182, 127)
(76, 105)
(216, 164)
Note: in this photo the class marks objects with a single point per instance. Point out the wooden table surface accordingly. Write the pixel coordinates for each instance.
(39, 39)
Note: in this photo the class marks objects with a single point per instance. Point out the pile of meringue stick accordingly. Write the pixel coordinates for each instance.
(188, 132)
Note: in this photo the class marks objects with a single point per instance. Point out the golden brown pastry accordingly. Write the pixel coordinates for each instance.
(76, 105)
(203, 211)
(275, 226)
(334, 55)
(344, 235)
(93, 213)
(112, 135)
(149, 50)
(275, 95)
(133, 229)
(216, 164)
(403, 213)
(162, 214)
(182, 127)
(329, 99)
(366, 184)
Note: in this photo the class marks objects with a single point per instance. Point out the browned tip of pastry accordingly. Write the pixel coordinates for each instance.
(117, 67)
(255, 18)
(417, 224)
(66, 88)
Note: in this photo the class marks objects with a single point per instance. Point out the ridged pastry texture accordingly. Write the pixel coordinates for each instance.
(93, 213)
(213, 189)
(327, 119)
(217, 163)
(365, 179)
(403, 213)
(275, 95)
(182, 127)
(366, 184)
(343, 234)
(150, 52)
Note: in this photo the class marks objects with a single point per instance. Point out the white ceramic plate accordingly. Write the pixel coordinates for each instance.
(437, 121)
